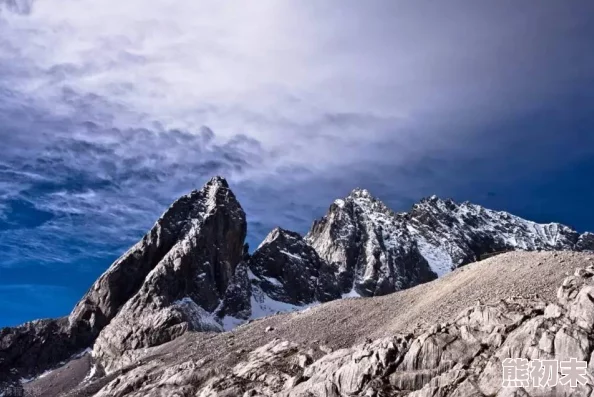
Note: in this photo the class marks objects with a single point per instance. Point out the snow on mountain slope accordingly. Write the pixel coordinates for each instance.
(377, 251)
(451, 234)
(367, 243)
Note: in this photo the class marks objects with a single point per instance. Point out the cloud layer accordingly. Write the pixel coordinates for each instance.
(110, 110)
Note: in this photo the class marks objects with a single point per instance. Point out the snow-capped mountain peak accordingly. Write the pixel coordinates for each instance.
(360, 234)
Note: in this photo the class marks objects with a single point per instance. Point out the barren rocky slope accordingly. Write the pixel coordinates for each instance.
(439, 337)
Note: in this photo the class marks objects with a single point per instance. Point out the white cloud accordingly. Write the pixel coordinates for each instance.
(303, 97)
(285, 73)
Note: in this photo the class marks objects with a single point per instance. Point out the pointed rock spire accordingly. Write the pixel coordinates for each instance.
(178, 274)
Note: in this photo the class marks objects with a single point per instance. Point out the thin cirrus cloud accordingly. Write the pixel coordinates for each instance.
(104, 107)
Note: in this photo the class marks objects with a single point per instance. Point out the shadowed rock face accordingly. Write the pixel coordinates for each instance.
(187, 285)
(585, 242)
(289, 270)
(367, 243)
(189, 256)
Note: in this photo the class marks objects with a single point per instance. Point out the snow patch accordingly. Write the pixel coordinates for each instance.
(439, 260)
(91, 374)
(351, 294)
(230, 323)
(339, 203)
(273, 281)
(291, 255)
(198, 318)
(263, 305)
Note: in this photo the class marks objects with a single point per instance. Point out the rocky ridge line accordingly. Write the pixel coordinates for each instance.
(192, 271)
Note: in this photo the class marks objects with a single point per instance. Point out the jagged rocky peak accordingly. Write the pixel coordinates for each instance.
(188, 279)
(364, 199)
(377, 251)
(463, 232)
(288, 270)
(188, 256)
(359, 192)
(367, 243)
(125, 276)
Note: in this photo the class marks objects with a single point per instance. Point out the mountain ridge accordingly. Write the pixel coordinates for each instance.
(192, 271)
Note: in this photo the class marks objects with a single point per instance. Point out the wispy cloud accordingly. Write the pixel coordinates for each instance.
(103, 106)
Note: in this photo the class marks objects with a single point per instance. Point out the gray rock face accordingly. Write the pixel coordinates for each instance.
(175, 239)
(585, 242)
(377, 251)
(237, 300)
(188, 284)
(459, 359)
(288, 270)
(33, 347)
(366, 242)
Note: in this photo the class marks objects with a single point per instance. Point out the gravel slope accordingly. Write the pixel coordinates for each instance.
(345, 322)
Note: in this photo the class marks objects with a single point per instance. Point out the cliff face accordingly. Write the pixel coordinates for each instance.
(287, 269)
(186, 287)
(368, 243)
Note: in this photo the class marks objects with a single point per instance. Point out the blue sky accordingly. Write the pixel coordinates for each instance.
(109, 111)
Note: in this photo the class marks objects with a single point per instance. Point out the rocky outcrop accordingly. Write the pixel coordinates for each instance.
(237, 302)
(364, 240)
(186, 287)
(288, 270)
(458, 359)
(585, 242)
(35, 346)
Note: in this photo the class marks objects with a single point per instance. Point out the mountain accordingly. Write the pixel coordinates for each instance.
(378, 251)
(366, 241)
(192, 272)
(187, 284)
(149, 295)
(287, 269)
